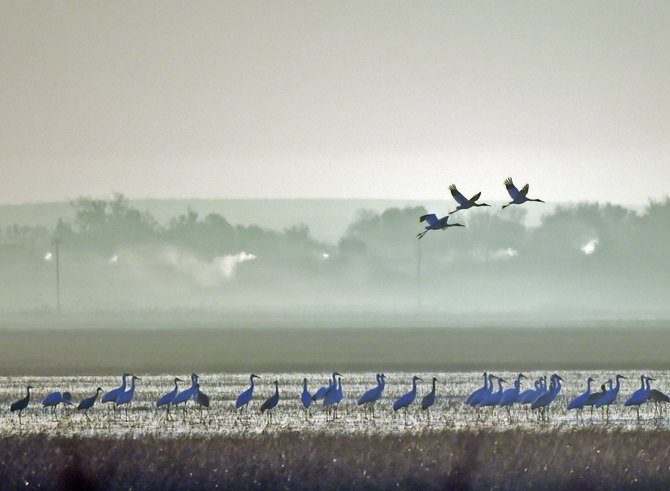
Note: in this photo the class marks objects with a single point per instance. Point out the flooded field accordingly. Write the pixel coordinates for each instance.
(221, 419)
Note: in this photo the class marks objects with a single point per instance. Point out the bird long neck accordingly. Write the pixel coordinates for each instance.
(642, 380)
(176, 385)
(588, 385)
(648, 385)
(500, 388)
(414, 385)
(132, 384)
(434, 381)
(251, 379)
(616, 388)
(123, 383)
(28, 392)
(277, 388)
(304, 384)
(339, 384)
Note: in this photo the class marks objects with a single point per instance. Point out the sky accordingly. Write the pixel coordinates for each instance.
(337, 99)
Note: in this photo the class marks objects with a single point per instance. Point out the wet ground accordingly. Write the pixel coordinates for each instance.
(449, 412)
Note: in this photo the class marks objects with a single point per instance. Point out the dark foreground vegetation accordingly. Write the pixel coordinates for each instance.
(584, 459)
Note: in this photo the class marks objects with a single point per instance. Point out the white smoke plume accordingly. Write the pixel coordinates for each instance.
(590, 247)
(207, 274)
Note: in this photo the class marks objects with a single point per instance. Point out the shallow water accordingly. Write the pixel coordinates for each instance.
(449, 411)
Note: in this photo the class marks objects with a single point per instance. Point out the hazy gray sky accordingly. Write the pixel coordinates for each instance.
(334, 99)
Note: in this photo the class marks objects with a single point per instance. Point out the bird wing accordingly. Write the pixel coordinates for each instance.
(462, 200)
(111, 395)
(511, 188)
(476, 197)
(430, 218)
(244, 398)
(524, 190)
(443, 221)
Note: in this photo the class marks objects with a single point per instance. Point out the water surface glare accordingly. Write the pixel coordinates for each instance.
(449, 412)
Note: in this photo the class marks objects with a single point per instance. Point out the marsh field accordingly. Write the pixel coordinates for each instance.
(448, 447)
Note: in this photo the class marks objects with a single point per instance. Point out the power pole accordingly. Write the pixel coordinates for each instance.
(418, 274)
(57, 244)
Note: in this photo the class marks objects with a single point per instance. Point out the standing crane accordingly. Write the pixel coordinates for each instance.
(189, 394)
(245, 397)
(580, 401)
(334, 397)
(510, 396)
(54, 399)
(429, 399)
(544, 400)
(21, 404)
(87, 403)
(126, 397)
(322, 391)
(271, 402)
(404, 401)
(610, 396)
(640, 396)
(305, 397)
(476, 397)
(114, 393)
(372, 395)
(167, 399)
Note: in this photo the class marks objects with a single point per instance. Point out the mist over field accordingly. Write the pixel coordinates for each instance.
(569, 262)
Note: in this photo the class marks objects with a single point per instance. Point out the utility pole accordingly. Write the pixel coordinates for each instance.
(418, 274)
(57, 244)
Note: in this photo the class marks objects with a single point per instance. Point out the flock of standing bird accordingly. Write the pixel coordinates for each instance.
(519, 196)
(538, 398)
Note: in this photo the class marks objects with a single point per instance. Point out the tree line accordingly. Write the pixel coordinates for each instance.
(580, 257)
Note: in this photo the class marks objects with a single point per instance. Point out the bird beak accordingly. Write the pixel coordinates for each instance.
(521, 375)
(502, 379)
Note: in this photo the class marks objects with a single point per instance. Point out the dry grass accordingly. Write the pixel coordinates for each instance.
(583, 459)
